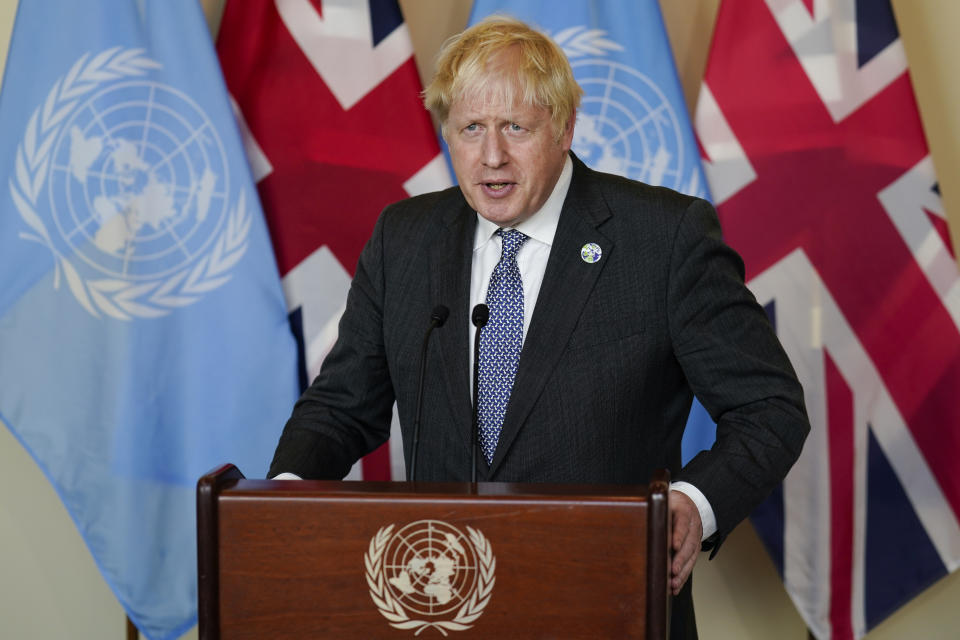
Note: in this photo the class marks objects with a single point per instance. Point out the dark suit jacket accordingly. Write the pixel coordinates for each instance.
(614, 352)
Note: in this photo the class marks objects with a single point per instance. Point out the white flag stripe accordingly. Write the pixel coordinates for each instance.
(433, 176)
(343, 33)
(318, 286)
(904, 201)
(260, 165)
(807, 525)
(727, 167)
(397, 470)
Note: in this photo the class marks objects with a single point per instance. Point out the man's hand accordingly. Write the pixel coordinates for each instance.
(687, 531)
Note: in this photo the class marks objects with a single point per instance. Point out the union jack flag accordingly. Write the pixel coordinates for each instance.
(817, 161)
(329, 107)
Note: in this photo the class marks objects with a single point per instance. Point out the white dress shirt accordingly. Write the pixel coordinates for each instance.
(532, 257)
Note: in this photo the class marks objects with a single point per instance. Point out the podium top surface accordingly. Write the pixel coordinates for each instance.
(439, 490)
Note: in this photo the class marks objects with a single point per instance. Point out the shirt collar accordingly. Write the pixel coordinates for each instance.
(541, 226)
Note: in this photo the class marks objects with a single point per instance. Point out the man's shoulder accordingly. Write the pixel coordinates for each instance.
(620, 193)
(427, 204)
(618, 190)
(408, 222)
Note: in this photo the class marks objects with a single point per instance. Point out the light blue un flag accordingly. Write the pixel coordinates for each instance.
(143, 332)
(633, 120)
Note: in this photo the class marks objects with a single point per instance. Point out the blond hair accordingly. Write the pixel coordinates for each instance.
(469, 61)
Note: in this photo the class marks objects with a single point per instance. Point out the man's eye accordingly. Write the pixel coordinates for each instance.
(470, 127)
(515, 127)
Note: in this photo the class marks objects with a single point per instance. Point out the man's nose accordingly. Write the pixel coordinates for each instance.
(494, 151)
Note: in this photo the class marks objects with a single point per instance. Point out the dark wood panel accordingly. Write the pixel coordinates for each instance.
(296, 559)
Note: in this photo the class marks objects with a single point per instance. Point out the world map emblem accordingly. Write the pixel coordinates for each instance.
(430, 574)
(625, 125)
(125, 181)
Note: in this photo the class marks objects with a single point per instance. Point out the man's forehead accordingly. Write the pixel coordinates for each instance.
(495, 102)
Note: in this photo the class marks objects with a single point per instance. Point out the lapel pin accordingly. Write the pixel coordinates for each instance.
(591, 253)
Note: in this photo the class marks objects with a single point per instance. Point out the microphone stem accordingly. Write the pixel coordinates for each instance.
(476, 398)
(416, 422)
(479, 316)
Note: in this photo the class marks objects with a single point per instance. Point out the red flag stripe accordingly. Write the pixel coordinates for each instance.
(842, 462)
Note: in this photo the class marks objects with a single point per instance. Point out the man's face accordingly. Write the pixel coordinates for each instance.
(506, 157)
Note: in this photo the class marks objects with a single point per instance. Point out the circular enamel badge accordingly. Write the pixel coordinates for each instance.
(591, 252)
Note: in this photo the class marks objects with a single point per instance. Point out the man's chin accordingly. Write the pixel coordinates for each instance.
(503, 212)
(501, 217)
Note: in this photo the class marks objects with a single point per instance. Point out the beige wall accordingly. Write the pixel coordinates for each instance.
(50, 588)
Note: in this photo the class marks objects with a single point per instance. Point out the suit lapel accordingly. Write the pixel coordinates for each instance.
(567, 283)
(451, 257)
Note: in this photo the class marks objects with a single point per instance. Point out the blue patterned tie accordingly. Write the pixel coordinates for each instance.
(500, 342)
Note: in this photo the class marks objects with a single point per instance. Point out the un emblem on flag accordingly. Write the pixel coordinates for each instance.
(626, 125)
(137, 214)
(432, 571)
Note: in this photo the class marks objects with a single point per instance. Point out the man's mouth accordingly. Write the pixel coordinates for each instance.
(497, 189)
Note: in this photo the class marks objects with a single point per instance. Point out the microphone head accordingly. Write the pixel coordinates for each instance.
(439, 315)
(480, 315)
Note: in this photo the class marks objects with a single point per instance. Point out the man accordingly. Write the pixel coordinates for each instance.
(611, 303)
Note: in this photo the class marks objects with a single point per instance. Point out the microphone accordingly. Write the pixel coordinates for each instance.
(437, 318)
(480, 316)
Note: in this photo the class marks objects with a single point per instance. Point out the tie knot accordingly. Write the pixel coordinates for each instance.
(512, 241)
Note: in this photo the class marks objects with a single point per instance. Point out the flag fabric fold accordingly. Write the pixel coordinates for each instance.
(816, 157)
(333, 124)
(143, 333)
(633, 119)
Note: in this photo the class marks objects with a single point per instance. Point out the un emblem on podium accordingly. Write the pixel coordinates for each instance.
(430, 574)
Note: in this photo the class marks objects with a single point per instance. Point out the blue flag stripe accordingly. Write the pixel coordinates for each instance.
(894, 535)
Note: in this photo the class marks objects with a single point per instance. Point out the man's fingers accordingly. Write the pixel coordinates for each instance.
(681, 527)
(687, 531)
(685, 547)
(684, 558)
(683, 563)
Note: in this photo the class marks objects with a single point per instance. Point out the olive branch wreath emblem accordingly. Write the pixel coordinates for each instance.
(392, 610)
(112, 296)
(580, 41)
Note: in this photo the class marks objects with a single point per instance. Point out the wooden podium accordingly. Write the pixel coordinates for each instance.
(310, 559)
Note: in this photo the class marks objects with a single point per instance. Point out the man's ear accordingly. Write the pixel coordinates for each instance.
(566, 138)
